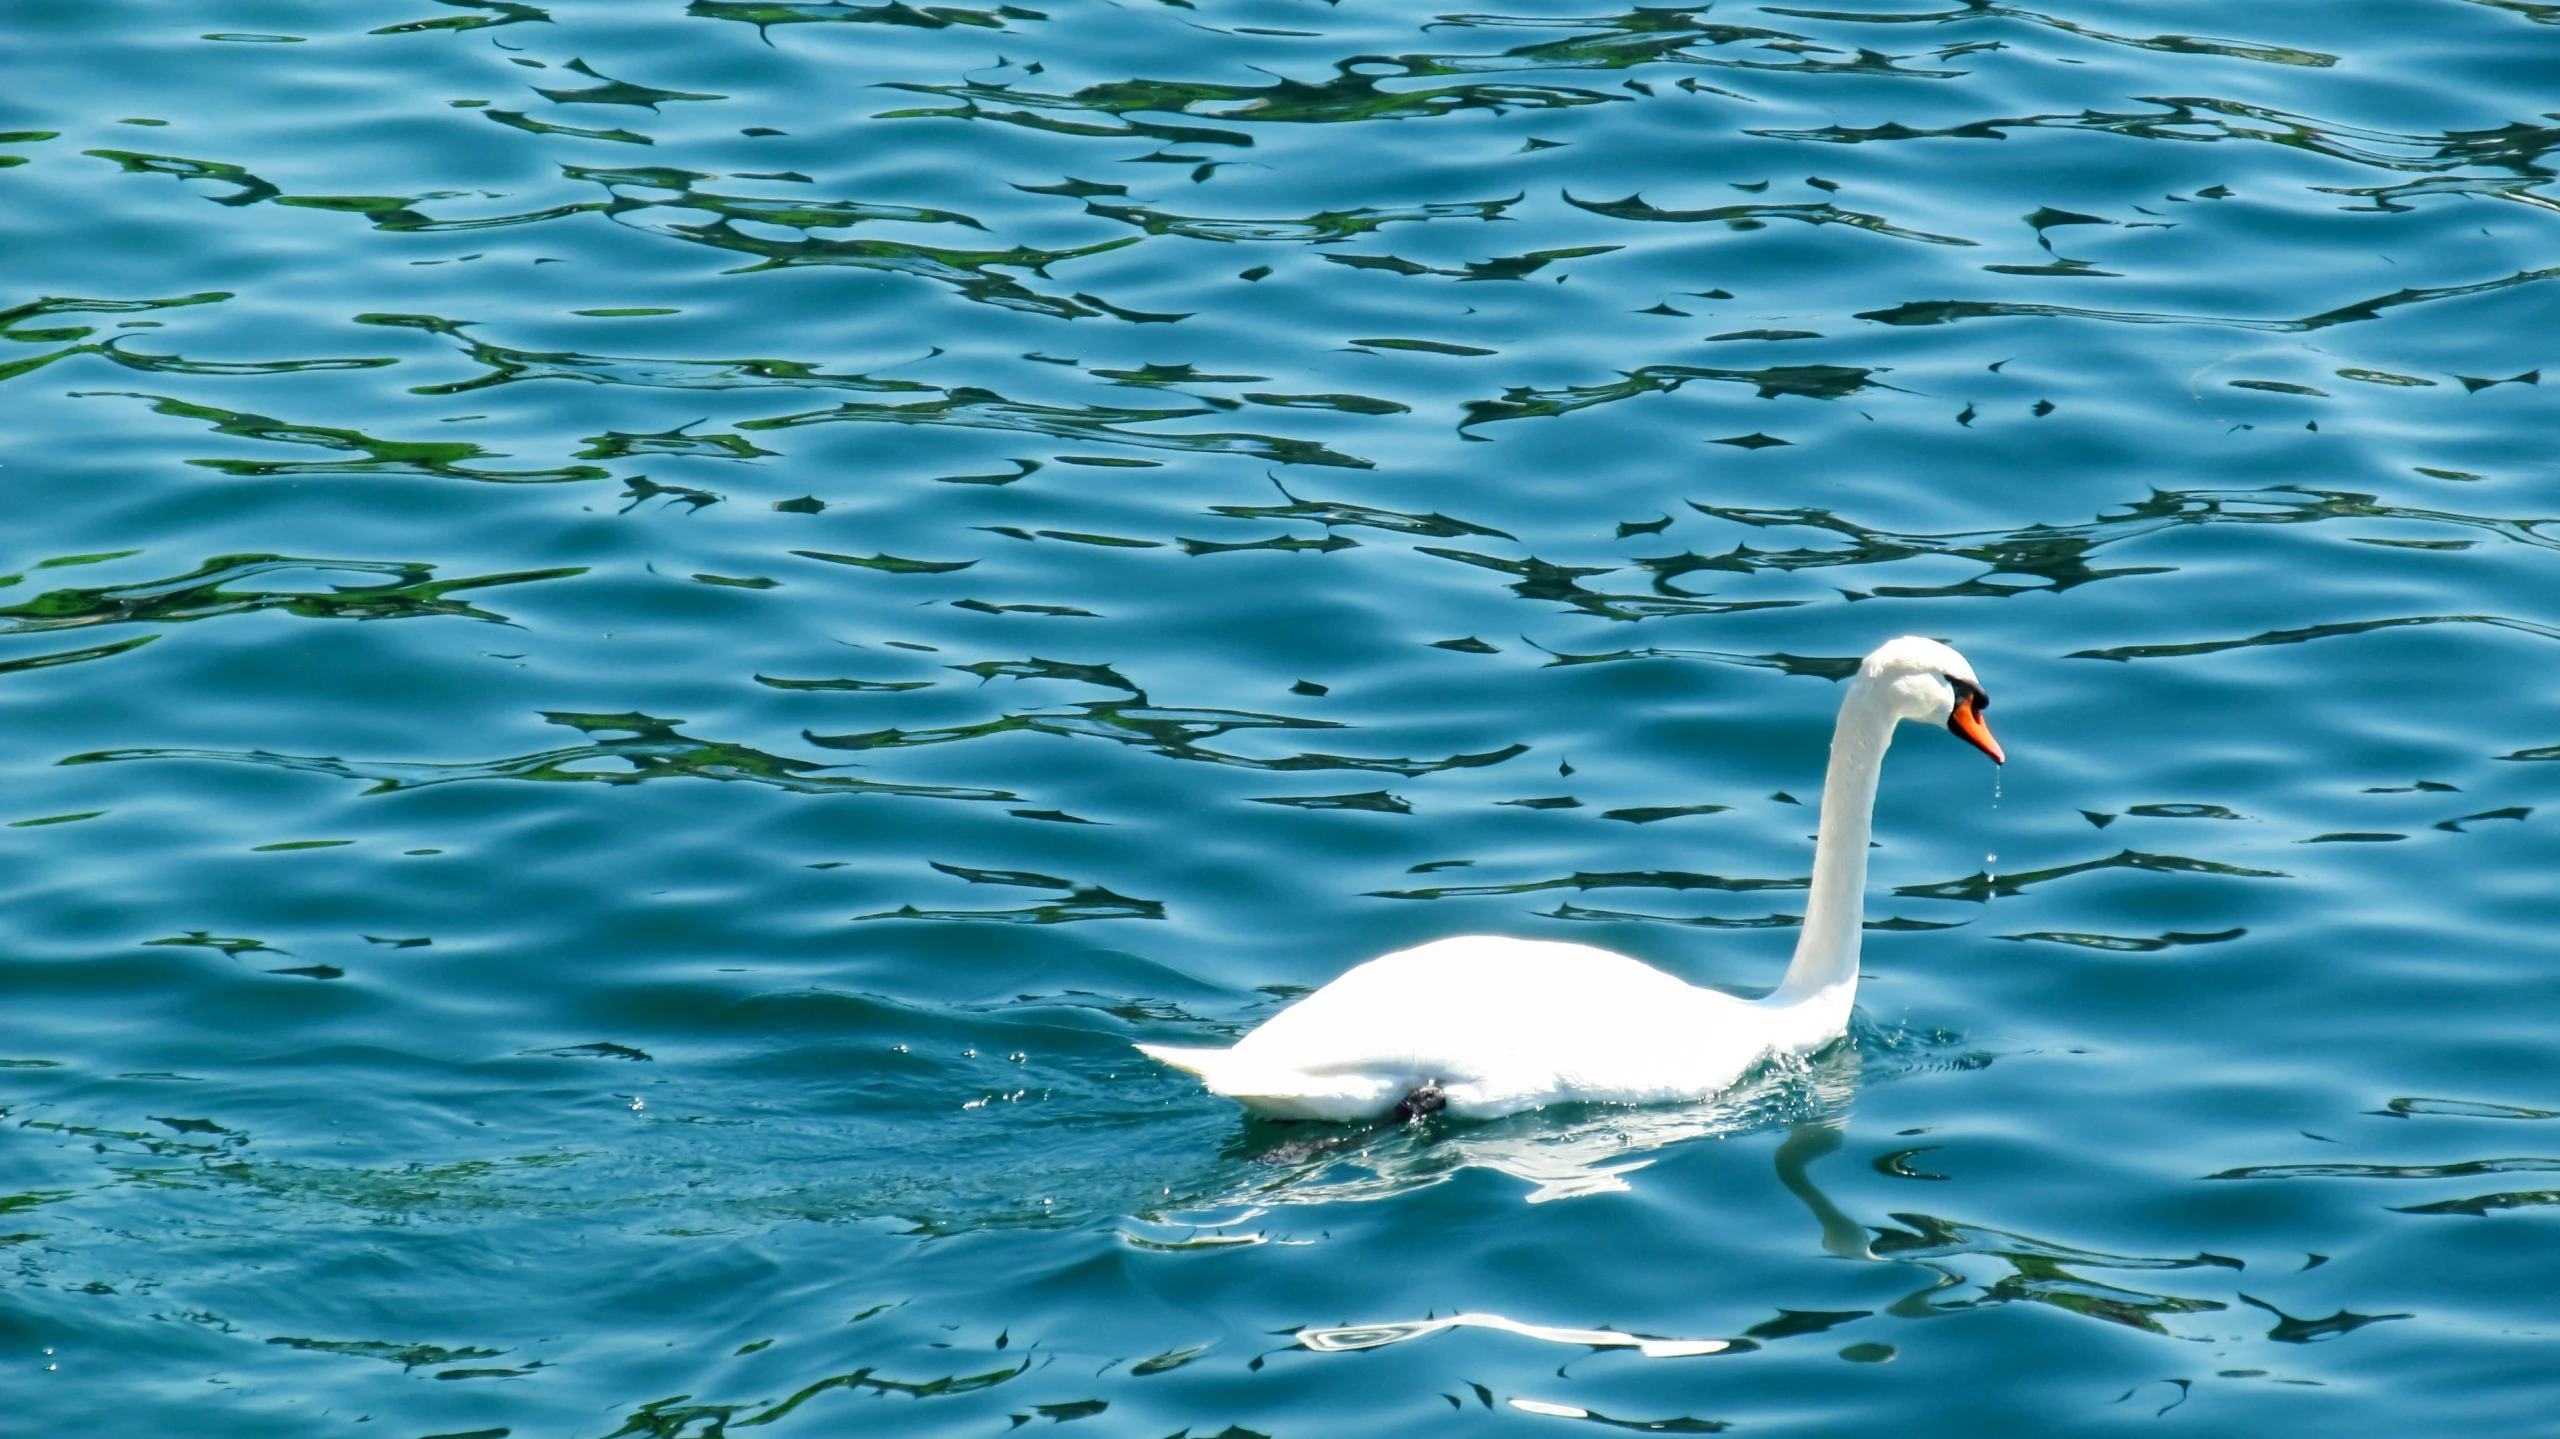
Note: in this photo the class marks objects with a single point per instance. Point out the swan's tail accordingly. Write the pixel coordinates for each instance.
(1188, 1059)
(1278, 1092)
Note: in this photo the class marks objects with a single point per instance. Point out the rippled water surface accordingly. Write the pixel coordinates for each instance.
(641, 638)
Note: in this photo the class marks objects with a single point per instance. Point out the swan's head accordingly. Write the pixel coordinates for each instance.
(1926, 681)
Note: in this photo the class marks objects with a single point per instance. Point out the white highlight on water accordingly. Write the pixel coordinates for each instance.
(1375, 1336)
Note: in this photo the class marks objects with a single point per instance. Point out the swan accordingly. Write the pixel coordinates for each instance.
(1485, 1025)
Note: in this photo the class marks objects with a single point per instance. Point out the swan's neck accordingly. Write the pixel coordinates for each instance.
(1826, 962)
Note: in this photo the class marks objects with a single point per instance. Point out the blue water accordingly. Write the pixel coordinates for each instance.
(640, 639)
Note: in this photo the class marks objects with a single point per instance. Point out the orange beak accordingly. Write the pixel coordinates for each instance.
(1967, 725)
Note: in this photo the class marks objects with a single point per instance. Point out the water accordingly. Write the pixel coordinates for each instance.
(642, 639)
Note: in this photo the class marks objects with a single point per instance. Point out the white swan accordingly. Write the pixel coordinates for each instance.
(1486, 1025)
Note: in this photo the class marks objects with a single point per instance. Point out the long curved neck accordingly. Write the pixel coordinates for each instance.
(1826, 962)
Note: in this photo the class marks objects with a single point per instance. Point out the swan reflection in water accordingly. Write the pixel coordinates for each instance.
(1842, 1237)
(1578, 1152)
(1940, 1251)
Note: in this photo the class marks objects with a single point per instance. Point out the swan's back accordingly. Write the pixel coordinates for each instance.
(1497, 1024)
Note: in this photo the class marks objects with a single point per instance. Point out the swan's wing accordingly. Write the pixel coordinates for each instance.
(1439, 1005)
(1507, 1022)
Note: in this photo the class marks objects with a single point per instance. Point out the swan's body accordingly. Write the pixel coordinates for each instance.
(1488, 1025)
(1497, 1025)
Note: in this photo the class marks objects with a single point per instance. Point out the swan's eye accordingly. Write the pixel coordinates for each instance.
(1968, 695)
